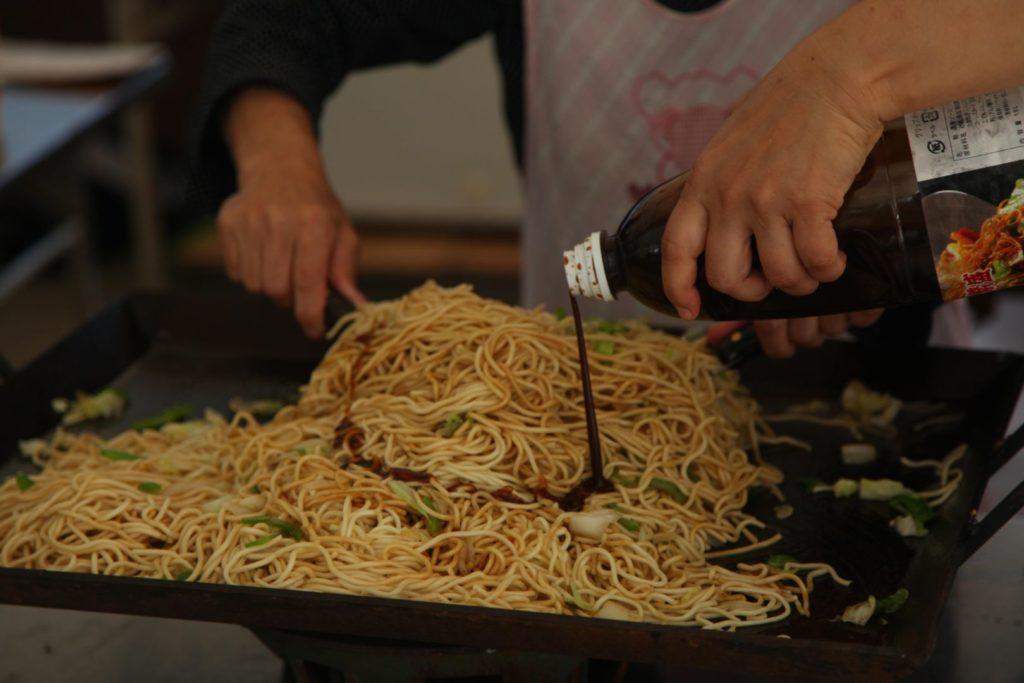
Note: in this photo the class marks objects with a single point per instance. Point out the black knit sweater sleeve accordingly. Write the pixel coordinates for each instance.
(306, 47)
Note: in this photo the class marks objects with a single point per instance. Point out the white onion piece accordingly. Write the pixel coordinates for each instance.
(783, 511)
(251, 503)
(591, 524)
(615, 610)
(880, 489)
(217, 503)
(905, 525)
(184, 430)
(32, 448)
(858, 399)
(860, 613)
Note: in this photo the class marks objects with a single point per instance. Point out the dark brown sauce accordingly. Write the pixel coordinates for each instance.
(541, 490)
(405, 474)
(596, 483)
(507, 495)
(347, 434)
(461, 486)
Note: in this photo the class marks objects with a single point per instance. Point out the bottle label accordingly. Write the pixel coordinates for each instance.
(969, 161)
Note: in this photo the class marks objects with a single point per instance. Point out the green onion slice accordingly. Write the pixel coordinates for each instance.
(262, 540)
(914, 507)
(628, 482)
(669, 487)
(424, 507)
(286, 528)
(780, 561)
(629, 524)
(577, 599)
(111, 454)
(176, 413)
(611, 327)
(451, 424)
(894, 602)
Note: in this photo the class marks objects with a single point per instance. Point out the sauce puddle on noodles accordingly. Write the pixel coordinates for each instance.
(424, 460)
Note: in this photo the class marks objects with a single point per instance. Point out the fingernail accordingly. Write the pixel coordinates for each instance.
(685, 313)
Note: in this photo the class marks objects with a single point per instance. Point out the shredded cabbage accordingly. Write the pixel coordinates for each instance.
(108, 403)
(880, 489)
(844, 488)
(906, 525)
(860, 613)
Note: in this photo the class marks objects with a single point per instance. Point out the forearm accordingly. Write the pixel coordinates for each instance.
(906, 55)
(266, 128)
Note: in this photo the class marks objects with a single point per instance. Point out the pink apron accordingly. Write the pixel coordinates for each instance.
(622, 95)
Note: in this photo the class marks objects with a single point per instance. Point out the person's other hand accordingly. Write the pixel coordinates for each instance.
(774, 176)
(285, 234)
(781, 338)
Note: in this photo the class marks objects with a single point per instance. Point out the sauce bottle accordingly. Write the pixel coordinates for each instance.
(935, 213)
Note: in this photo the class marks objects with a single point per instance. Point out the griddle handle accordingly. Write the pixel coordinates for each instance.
(978, 533)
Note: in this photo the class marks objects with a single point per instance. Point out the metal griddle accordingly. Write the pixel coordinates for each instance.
(163, 348)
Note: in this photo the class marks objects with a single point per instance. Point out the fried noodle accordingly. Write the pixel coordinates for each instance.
(310, 500)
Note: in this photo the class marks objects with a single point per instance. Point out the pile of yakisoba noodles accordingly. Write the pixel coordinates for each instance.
(421, 462)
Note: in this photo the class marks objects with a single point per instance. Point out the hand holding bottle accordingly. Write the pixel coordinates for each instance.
(773, 177)
(776, 173)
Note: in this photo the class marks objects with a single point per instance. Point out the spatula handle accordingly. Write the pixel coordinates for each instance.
(740, 346)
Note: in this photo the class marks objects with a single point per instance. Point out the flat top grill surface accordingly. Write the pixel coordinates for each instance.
(163, 349)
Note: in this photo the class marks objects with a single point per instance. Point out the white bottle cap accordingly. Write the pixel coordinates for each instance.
(584, 270)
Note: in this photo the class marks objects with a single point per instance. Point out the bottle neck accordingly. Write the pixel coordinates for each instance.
(614, 268)
(585, 269)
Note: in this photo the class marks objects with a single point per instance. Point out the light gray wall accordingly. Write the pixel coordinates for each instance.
(424, 143)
